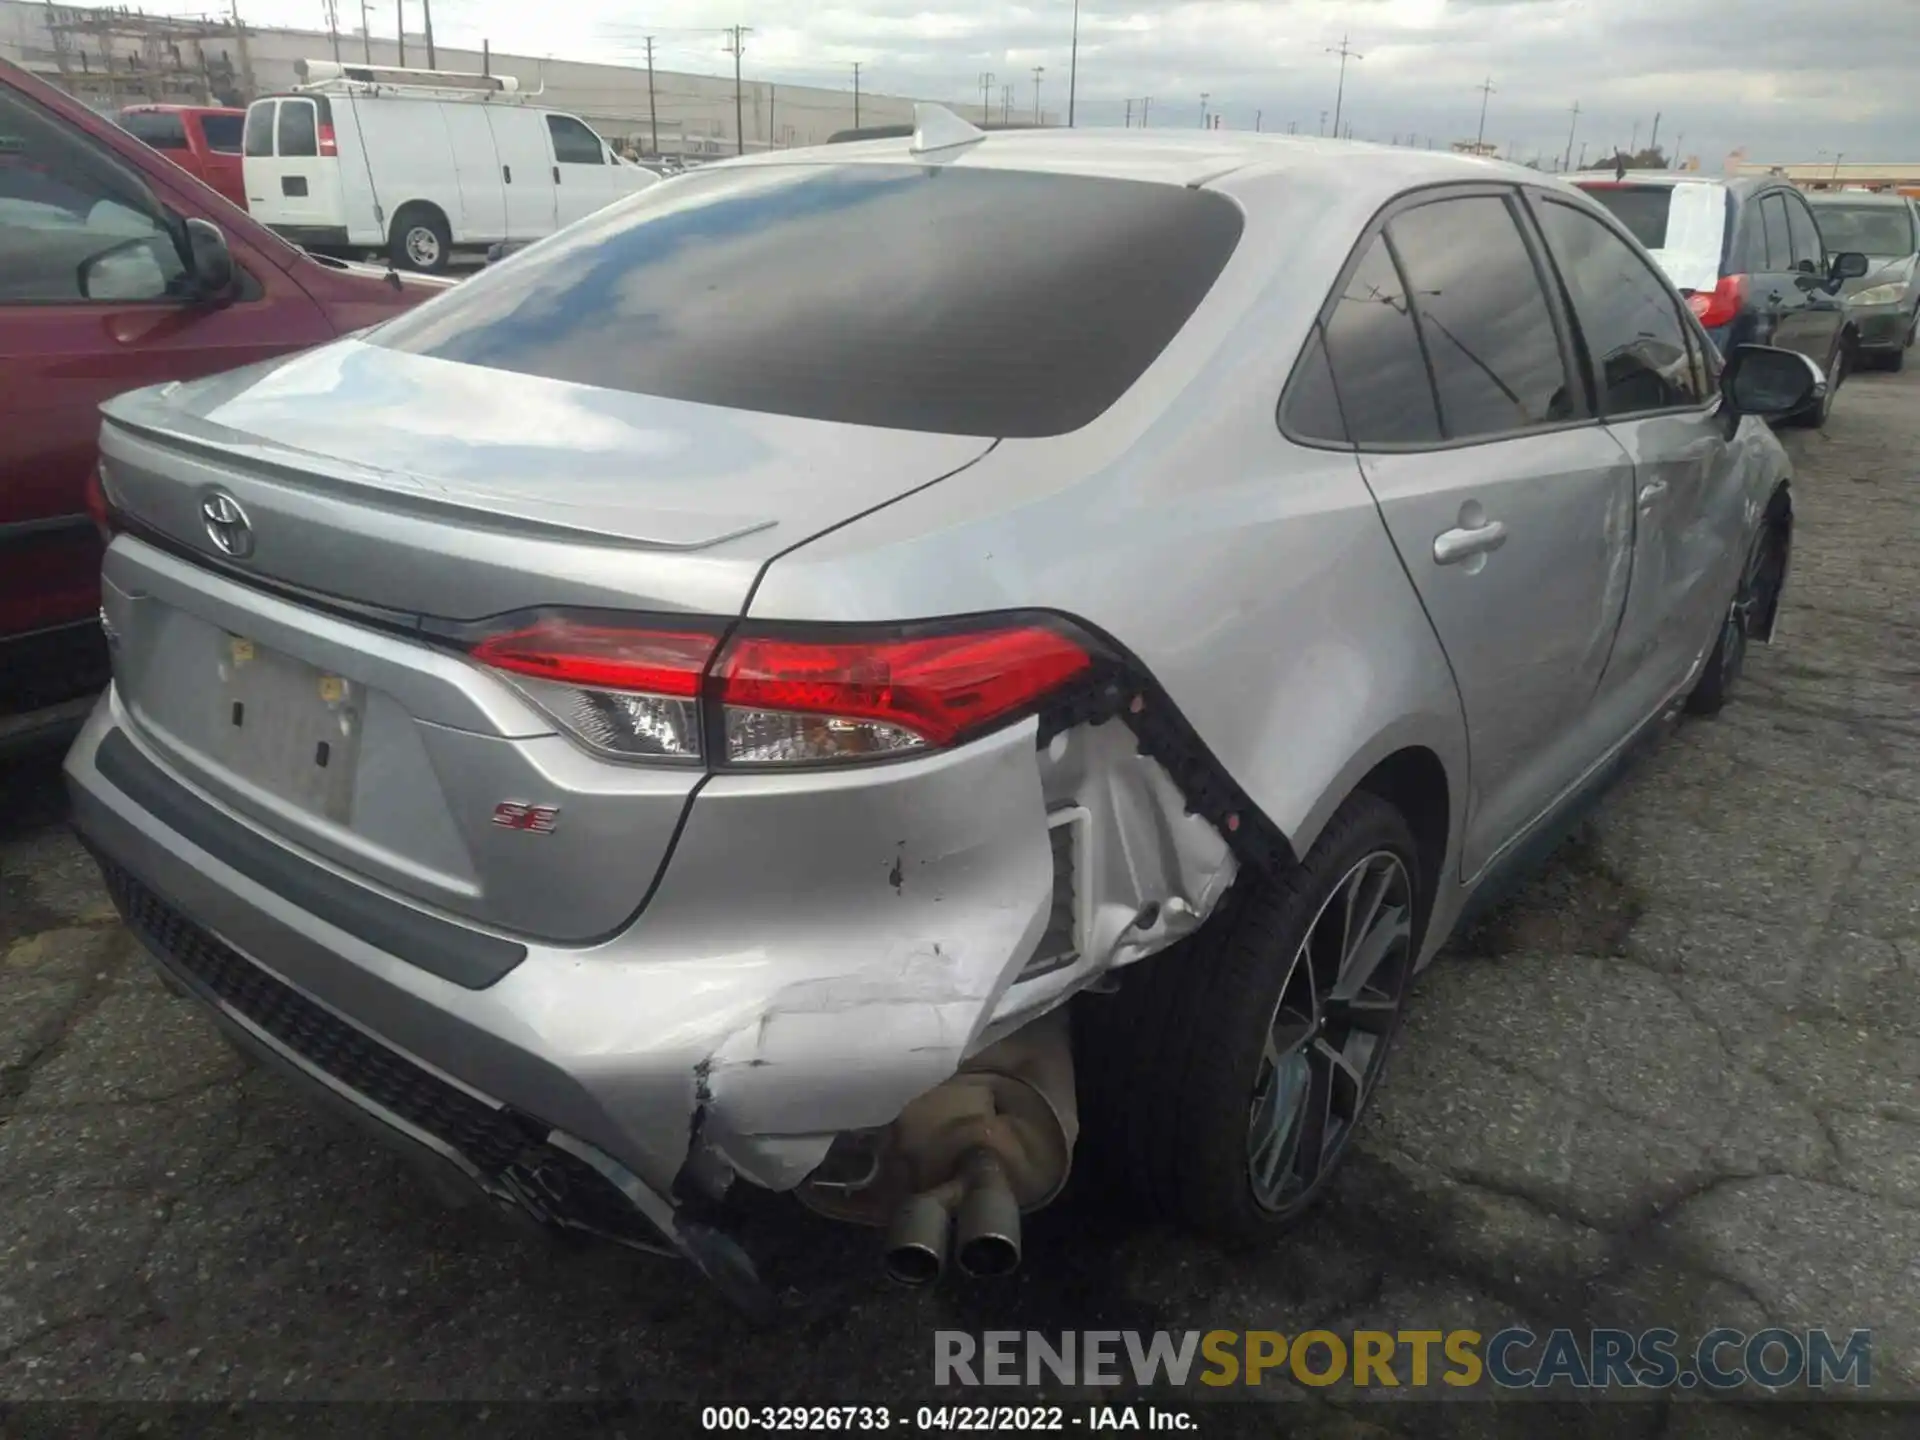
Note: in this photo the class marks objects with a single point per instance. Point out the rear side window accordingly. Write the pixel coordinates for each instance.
(298, 134)
(1629, 317)
(1643, 209)
(956, 301)
(159, 128)
(259, 132)
(574, 143)
(1773, 229)
(222, 132)
(1385, 393)
(1489, 334)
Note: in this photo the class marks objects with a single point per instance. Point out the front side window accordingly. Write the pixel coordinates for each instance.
(1488, 331)
(298, 134)
(1628, 317)
(574, 143)
(222, 133)
(259, 134)
(1804, 236)
(955, 300)
(1379, 374)
(75, 226)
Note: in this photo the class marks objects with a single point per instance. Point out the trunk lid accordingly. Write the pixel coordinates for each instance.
(291, 681)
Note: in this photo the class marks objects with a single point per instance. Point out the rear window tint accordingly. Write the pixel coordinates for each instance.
(222, 132)
(161, 129)
(1643, 209)
(972, 302)
(298, 135)
(259, 133)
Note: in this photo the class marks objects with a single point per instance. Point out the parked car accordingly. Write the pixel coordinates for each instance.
(117, 269)
(354, 162)
(1886, 301)
(202, 140)
(1749, 257)
(624, 772)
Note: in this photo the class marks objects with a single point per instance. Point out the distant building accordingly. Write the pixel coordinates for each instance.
(1838, 175)
(114, 57)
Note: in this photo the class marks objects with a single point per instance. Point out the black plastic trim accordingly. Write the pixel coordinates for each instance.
(468, 958)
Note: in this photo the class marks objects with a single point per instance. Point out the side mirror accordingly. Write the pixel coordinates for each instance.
(212, 261)
(1760, 380)
(135, 269)
(1849, 265)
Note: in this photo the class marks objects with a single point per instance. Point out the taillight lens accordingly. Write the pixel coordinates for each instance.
(781, 698)
(799, 700)
(100, 507)
(327, 144)
(629, 692)
(1719, 306)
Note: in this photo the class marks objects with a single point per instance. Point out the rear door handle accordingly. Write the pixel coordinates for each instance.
(556, 174)
(1450, 547)
(1652, 491)
(506, 173)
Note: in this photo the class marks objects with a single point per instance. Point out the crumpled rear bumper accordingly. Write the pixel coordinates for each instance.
(823, 948)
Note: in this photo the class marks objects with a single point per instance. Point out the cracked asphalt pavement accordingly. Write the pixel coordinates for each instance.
(1675, 1082)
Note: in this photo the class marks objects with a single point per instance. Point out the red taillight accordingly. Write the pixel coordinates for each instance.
(796, 699)
(642, 692)
(1719, 306)
(327, 145)
(100, 508)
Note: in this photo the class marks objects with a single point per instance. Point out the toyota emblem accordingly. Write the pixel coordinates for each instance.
(227, 524)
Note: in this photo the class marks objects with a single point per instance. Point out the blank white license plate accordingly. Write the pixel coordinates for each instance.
(290, 728)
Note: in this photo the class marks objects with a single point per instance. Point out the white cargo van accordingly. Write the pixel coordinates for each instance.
(421, 163)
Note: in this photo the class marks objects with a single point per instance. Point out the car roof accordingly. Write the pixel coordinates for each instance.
(1173, 157)
(1858, 197)
(182, 109)
(1645, 177)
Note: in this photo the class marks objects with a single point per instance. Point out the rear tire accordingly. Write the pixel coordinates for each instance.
(420, 240)
(1222, 1084)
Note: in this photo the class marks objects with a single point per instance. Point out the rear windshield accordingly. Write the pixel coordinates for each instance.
(1643, 209)
(222, 132)
(162, 129)
(259, 135)
(956, 301)
(1885, 230)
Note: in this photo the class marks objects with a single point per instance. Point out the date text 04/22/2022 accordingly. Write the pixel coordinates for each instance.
(984, 1419)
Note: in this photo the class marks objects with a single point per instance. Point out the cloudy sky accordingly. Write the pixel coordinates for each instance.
(1785, 79)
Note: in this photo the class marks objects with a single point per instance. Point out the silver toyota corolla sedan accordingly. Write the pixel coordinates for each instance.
(881, 671)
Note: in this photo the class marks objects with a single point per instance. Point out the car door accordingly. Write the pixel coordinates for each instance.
(1509, 506)
(66, 343)
(581, 173)
(482, 217)
(526, 170)
(1657, 394)
(1779, 290)
(1822, 312)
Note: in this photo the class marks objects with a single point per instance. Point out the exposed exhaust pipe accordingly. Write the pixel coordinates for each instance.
(916, 1248)
(987, 1230)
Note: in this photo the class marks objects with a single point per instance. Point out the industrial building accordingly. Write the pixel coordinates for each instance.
(113, 56)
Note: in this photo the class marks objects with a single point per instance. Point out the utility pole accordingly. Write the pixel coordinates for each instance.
(1146, 104)
(1570, 129)
(986, 89)
(1129, 124)
(1480, 135)
(333, 28)
(1073, 65)
(426, 14)
(653, 112)
(1204, 97)
(856, 94)
(740, 32)
(1653, 140)
(1836, 165)
(1293, 127)
(1256, 120)
(1323, 124)
(773, 131)
(1038, 71)
(1346, 52)
(366, 34)
(400, 25)
(1006, 104)
(1583, 154)
(1633, 145)
(1679, 141)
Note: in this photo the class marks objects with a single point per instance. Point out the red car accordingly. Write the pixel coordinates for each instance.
(117, 269)
(202, 140)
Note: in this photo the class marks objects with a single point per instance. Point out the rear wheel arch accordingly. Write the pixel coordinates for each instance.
(1414, 781)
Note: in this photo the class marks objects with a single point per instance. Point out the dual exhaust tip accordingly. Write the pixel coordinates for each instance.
(982, 1230)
